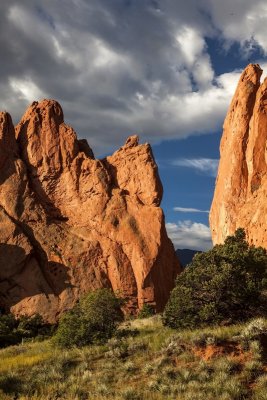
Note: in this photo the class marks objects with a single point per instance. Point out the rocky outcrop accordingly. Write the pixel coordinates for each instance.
(241, 186)
(70, 223)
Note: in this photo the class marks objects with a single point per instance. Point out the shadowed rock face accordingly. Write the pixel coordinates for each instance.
(70, 223)
(241, 187)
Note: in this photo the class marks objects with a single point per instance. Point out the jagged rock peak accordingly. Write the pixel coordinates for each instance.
(132, 141)
(8, 144)
(70, 223)
(241, 186)
(252, 73)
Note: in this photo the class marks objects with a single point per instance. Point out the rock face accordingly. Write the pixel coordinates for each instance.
(241, 187)
(70, 223)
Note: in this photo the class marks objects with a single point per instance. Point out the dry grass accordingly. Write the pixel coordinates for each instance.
(25, 356)
(156, 364)
(22, 361)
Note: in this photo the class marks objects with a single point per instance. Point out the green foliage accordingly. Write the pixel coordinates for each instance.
(146, 311)
(13, 330)
(71, 329)
(223, 284)
(34, 326)
(8, 334)
(93, 320)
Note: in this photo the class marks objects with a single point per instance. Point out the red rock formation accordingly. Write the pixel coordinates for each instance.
(241, 186)
(70, 223)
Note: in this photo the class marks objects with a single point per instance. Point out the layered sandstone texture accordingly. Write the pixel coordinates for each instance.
(70, 223)
(240, 198)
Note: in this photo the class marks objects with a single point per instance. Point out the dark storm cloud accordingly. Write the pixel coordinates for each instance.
(119, 66)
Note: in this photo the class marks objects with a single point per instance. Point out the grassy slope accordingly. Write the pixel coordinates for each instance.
(157, 363)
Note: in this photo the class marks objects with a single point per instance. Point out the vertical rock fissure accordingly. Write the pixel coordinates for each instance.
(39, 253)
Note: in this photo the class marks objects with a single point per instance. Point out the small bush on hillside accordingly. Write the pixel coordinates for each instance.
(117, 349)
(255, 328)
(8, 334)
(224, 283)
(146, 311)
(13, 330)
(34, 326)
(93, 320)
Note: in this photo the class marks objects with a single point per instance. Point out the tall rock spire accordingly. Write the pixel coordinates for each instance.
(240, 198)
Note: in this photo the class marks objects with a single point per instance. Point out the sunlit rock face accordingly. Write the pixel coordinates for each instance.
(70, 223)
(240, 198)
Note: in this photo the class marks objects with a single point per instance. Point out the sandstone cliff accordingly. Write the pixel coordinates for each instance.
(241, 187)
(70, 223)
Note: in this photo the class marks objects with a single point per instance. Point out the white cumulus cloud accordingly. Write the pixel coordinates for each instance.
(242, 21)
(145, 75)
(189, 235)
(119, 68)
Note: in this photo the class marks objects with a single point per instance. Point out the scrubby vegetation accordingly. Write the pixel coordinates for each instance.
(146, 311)
(93, 320)
(222, 363)
(13, 331)
(225, 284)
(211, 345)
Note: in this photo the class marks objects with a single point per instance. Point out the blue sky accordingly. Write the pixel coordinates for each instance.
(165, 70)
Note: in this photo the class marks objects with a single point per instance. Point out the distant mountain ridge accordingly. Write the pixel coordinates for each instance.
(186, 255)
